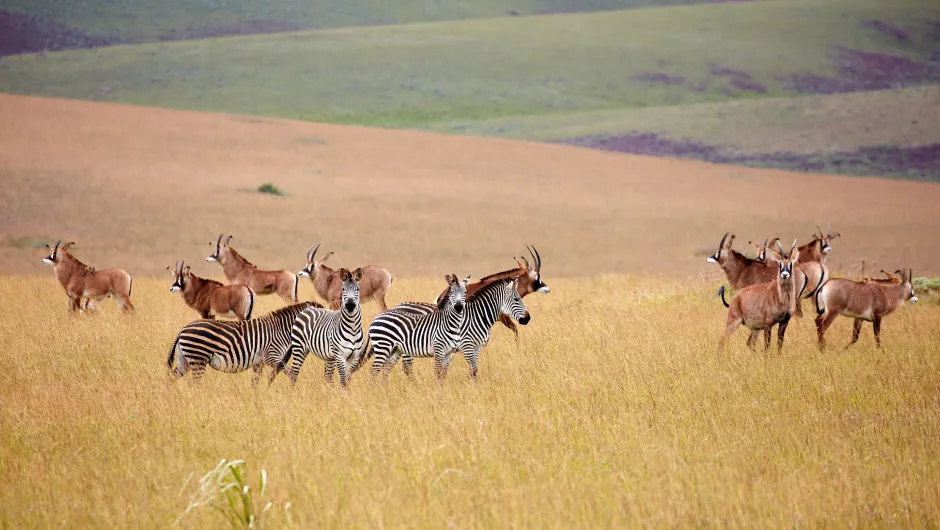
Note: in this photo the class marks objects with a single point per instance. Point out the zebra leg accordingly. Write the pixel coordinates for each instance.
(343, 371)
(407, 364)
(298, 356)
(472, 356)
(441, 362)
(199, 370)
(258, 369)
(328, 370)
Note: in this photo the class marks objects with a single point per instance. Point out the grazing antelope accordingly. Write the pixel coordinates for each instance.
(83, 282)
(494, 298)
(862, 301)
(334, 336)
(239, 270)
(762, 306)
(376, 281)
(210, 298)
(233, 346)
(742, 271)
(530, 281)
(439, 333)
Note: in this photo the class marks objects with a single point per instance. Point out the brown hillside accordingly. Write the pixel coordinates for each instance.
(139, 188)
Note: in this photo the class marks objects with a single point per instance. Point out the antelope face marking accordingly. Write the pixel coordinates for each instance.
(178, 284)
(537, 285)
(50, 259)
(307, 271)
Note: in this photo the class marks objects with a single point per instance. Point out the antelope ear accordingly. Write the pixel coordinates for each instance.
(358, 274)
(795, 255)
(466, 281)
(173, 272)
(186, 270)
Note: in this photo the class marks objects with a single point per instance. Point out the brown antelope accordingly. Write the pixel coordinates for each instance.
(210, 298)
(239, 270)
(83, 282)
(375, 283)
(816, 271)
(862, 301)
(888, 279)
(742, 271)
(530, 281)
(762, 306)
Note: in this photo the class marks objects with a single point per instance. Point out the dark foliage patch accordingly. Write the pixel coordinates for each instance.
(887, 29)
(659, 78)
(861, 70)
(21, 33)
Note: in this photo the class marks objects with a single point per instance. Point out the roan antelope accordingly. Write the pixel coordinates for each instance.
(83, 282)
(815, 270)
(762, 306)
(742, 271)
(210, 298)
(239, 270)
(862, 301)
(530, 281)
(375, 283)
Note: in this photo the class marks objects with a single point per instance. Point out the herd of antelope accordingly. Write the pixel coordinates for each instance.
(460, 319)
(769, 293)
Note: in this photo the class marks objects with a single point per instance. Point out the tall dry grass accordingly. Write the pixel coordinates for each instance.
(614, 409)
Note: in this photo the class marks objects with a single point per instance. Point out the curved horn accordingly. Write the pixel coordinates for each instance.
(535, 259)
(312, 252)
(219, 241)
(228, 240)
(792, 248)
(57, 243)
(829, 229)
(723, 239)
(819, 230)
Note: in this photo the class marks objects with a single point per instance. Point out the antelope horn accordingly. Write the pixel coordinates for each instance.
(535, 258)
(182, 266)
(779, 246)
(819, 230)
(829, 228)
(57, 242)
(792, 247)
(723, 239)
(218, 242)
(312, 252)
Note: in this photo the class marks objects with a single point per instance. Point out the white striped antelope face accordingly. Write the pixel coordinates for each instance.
(909, 285)
(220, 249)
(786, 262)
(54, 254)
(180, 273)
(349, 299)
(535, 284)
(825, 240)
(313, 266)
(723, 247)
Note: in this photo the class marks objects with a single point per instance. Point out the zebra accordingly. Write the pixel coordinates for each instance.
(334, 336)
(435, 333)
(483, 310)
(232, 346)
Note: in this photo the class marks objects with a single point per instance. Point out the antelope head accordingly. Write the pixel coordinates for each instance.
(220, 249)
(908, 279)
(785, 262)
(723, 248)
(313, 267)
(825, 239)
(349, 300)
(534, 275)
(54, 256)
(180, 272)
(762, 248)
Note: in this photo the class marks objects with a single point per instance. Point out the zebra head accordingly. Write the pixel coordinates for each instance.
(513, 305)
(456, 299)
(349, 299)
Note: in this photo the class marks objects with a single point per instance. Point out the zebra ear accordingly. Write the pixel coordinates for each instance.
(343, 274)
(358, 274)
(451, 279)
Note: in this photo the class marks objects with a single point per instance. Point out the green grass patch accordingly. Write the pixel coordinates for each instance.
(270, 189)
(441, 74)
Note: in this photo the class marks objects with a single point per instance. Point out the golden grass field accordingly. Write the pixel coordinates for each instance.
(613, 411)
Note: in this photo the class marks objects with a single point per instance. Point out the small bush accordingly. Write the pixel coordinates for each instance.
(271, 189)
(225, 490)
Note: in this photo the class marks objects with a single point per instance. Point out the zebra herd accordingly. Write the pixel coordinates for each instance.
(459, 321)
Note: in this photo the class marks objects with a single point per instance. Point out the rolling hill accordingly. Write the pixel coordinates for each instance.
(141, 187)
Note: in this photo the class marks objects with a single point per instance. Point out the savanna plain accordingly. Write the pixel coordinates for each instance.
(613, 408)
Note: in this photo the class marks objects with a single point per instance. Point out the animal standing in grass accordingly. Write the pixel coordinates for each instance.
(210, 298)
(376, 281)
(438, 334)
(530, 281)
(238, 270)
(83, 282)
(762, 306)
(483, 307)
(334, 336)
(813, 267)
(865, 301)
(233, 346)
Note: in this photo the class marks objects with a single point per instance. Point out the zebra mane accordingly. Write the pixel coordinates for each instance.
(490, 285)
(291, 309)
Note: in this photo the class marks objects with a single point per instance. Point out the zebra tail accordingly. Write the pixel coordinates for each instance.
(169, 360)
(721, 293)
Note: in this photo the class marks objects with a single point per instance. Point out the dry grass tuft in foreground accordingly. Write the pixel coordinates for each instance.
(614, 409)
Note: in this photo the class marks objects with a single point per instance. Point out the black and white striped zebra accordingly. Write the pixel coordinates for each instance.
(234, 346)
(436, 333)
(483, 310)
(334, 336)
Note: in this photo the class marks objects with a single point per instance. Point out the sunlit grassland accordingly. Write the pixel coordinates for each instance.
(613, 409)
(416, 75)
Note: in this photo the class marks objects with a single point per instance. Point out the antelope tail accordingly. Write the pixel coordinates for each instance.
(251, 303)
(819, 310)
(822, 280)
(721, 293)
